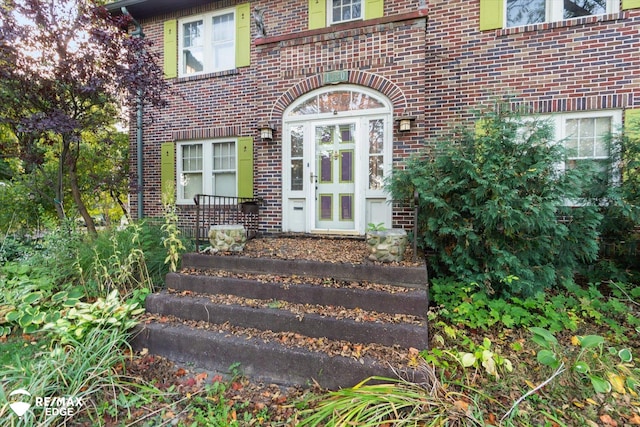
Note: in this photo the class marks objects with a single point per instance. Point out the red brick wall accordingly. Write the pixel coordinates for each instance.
(386, 55)
(585, 64)
(438, 73)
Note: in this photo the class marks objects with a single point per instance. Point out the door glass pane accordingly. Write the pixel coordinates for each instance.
(326, 207)
(297, 154)
(376, 173)
(326, 170)
(346, 166)
(324, 135)
(334, 101)
(297, 141)
(346, 134)
(376, 147)
(340, 100)
(346, 207)
(296, 175)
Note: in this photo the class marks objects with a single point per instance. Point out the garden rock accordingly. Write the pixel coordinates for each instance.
(387, 245)
(227, 238)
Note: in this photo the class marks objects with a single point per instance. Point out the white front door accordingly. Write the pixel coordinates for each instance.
(336, 151)
(334, 199)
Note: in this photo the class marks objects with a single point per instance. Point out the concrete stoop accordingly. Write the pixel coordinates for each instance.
(215, 349)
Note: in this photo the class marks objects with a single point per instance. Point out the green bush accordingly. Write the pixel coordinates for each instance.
(492, 206)
(471, 307)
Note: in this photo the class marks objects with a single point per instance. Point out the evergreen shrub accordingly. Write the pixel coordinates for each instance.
(495, 208)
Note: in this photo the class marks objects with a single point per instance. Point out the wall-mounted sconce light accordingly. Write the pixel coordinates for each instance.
(266, 131)
(404, 123)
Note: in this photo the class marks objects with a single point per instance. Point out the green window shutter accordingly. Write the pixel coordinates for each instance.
(243, 35)
(481, 127)
(630, 4)
(491, 14)
(168, 167)
(170, 49)
(245, 167)
(317, 14)
(373, 9)
(632, 122)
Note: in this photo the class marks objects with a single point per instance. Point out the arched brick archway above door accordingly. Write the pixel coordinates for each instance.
(361, 78)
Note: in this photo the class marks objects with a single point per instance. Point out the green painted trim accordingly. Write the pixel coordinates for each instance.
(491, 14)
(352, 166)
(632, 122)
(373, 9)
(319, 206)
(245, 167)
(171, 49)
(630, 4)
(353, 214)
(324, 181)
(243, 35)
(317, 14)
(167, 166)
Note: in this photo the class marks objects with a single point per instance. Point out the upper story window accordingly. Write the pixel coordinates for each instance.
(345, 10)
(207, 43)
(526, 12)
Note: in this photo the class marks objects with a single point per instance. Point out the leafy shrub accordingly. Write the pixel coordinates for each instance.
(470, 306)
(107, 313)
(115, 259)
(31, 298)
(492, 206)
(90, 370)
(606, 369)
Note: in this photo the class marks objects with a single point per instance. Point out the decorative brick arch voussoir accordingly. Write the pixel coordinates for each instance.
(361, 78)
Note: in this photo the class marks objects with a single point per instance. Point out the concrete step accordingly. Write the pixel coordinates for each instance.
(413, 302)
(409, 277)
(281, 320)
(261, 361)
(216, 321)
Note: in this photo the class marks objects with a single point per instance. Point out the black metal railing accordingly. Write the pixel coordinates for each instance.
(225, 210)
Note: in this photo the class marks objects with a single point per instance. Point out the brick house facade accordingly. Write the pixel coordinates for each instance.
(334, 86)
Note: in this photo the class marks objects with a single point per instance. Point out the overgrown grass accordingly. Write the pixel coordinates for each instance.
(490, 364)
(89, 371)
(17, 348)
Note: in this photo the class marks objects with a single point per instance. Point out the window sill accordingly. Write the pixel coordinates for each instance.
(567, 23)
(347, 26)
(204, 76)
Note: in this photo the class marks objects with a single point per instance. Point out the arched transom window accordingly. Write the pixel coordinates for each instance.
(336, 101)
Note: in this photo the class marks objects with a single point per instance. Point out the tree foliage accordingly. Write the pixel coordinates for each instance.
(494, 206)
(68, 67)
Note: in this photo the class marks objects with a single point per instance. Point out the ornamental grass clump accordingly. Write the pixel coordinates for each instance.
(387, 401)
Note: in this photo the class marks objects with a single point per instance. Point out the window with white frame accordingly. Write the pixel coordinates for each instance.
(206, 167)
(586, 135)
(526, 12)
(586, 139)
(207, 43)
(344, 10)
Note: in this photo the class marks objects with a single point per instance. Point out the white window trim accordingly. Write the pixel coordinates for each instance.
(554, 12)
(330, 13)
(559, 119)
(207, 166)
(207, 45)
